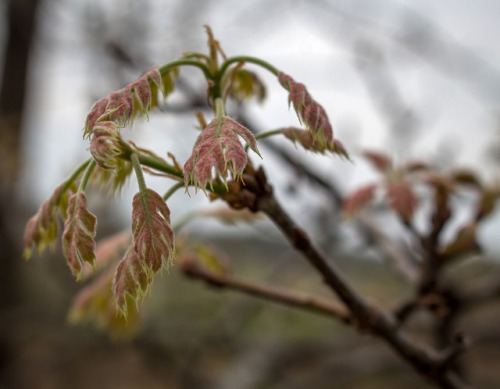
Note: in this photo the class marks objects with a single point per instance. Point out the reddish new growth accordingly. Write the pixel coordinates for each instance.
(219, 148)
(153, 236)
(79, 232)
(309, 111)
(42, 229)
(309, 142)
(153, 247)
(108, 114)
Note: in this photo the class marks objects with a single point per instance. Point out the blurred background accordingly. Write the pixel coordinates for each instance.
(417, 80)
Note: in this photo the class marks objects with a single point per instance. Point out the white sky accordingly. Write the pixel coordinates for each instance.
(456, 119)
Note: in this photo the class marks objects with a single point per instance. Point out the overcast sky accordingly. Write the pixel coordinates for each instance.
(437, 62)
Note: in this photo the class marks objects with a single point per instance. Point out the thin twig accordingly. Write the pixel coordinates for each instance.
(281, 296)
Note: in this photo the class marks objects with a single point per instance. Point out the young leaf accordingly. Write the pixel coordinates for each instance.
(105, 145)
(136, 98)
(380, 161)
(358, 199)
(130, 280)
(464, 243)
(309, 111)
(402, 199)
(246, 84)
(153, 236)
(218, 147)
(95, 303)
(79, 232)
(42, 229)
(307, 141)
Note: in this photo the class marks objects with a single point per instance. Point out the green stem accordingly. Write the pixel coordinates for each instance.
(266, 134)
(86, 176)
(172, 190)
(256, 61)
(157, 164)
(185, 62)
(75, 174)
(134, 158)
(183, 220)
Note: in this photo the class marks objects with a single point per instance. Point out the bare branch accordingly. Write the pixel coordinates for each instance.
(301, 301)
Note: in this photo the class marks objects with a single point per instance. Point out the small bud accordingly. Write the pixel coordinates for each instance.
(105, 144)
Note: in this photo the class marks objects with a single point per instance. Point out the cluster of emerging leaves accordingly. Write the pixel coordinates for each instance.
(128, 266)
(400, 186)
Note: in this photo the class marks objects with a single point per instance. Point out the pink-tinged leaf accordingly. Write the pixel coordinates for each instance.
(380, 161)
(307, 141)
(309, 111)
(402, 199)
(130, 280)
(105, 145)
(464, 243)
(219, 148)
(95, 303)
(42, 229)
(108, 251)
(79, 232)
(358, 199)
(122, 105)
(153, 236)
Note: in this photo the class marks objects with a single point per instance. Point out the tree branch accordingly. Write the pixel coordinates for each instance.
(253, 192)
(309, 303)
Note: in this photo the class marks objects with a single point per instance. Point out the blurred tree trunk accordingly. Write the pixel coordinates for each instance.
(21, 25)
(21, 20)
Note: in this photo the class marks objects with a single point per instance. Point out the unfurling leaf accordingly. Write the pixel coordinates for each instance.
(489, 197)
(380, 161)
(105, 145)
(246, 84)
(79, 232)
(309, 111)
(402, 199)
(136, 98)
(307, 141)
(153, 236)
(42, 229)
(358, 199)
(130, 280)
(218, 147)
(464, 243)
(112, 180)
(95, 303)
(205, 258)
(108, 251)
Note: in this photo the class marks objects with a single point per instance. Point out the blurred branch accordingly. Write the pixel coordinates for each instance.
(254, 193)
(306, 302)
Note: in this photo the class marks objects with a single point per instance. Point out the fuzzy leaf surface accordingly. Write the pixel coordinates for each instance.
(219, 148)
(79, 232)
(153, 236)
(130, 281)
